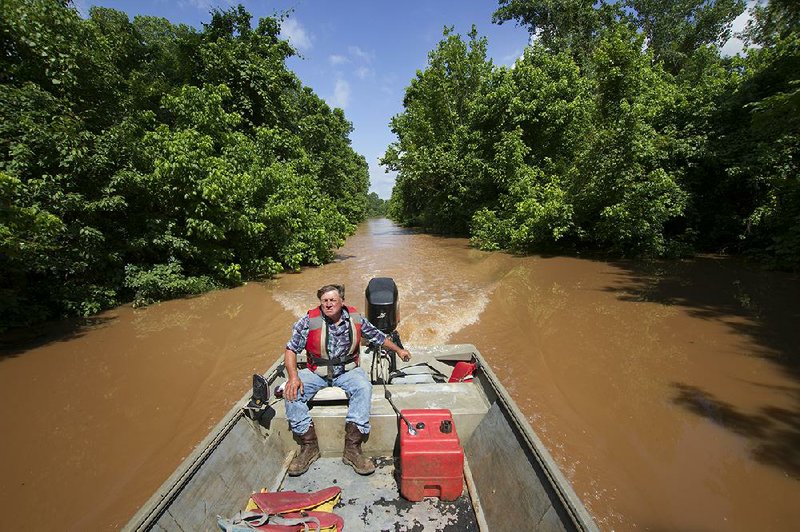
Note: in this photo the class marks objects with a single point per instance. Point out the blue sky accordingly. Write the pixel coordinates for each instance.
(356, 54)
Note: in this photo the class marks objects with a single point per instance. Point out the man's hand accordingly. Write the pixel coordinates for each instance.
(293, 388)
(404, 354)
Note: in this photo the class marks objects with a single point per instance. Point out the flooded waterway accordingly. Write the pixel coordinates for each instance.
(669, 392)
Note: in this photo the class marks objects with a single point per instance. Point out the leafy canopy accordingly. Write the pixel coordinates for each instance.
(140, 160)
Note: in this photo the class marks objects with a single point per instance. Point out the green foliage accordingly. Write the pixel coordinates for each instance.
(26, 233)
(376, 207)
(163, 281)
(628, 190)
(621, 129)
(770, 95)
(441, 182)
(560, 24)
(677, 29)
(142, 160)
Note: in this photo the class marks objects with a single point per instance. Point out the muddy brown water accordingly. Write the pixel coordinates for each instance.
(669, 393)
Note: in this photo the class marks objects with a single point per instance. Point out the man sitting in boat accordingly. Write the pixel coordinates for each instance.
(331, 334)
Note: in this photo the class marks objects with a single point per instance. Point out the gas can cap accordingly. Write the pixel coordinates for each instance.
(446, 426)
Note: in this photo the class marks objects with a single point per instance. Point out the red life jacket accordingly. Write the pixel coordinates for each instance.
(318, 359)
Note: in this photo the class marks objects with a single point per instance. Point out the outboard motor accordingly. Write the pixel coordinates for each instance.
(381, 306)
(381, 303)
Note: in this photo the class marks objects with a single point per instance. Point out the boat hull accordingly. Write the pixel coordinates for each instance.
(510, 480)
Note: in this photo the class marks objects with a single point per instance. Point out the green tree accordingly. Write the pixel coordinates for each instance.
(573, 25)
(376, 207)
(142, 160)
(535, 116)
(676, 29)
(763, 149)
(439, 181)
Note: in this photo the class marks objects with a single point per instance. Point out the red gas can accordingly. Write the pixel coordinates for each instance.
(432, 460)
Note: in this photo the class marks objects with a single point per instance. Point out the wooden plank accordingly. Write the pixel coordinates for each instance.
(477, 505)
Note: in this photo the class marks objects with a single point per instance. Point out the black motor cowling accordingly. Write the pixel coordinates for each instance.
(381, 303)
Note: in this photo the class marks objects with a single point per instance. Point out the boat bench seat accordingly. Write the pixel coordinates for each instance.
(328, 409)
(415, 375)
(329, 394)
(465, 400)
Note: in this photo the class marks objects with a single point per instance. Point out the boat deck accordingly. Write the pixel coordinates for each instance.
(373, 502)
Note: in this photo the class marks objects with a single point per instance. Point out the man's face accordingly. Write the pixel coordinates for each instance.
(331, 304)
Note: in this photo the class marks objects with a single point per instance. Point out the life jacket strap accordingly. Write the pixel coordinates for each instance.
(324, 366)
(339, 361)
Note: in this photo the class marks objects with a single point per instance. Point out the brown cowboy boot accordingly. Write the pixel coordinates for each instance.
(352, 450)
(308, 453)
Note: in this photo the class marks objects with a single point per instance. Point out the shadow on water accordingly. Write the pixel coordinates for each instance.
(760, 305)
(17, 342)
(774, 432)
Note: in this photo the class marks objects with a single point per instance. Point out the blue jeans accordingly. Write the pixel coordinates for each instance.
(354, 383)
